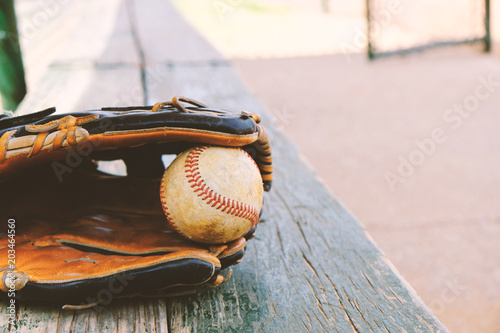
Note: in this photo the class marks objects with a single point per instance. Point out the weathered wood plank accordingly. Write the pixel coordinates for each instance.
(311, 266)
(90, 88)
(42, 28)
(125, 315)
(311, 263)
(166, 36)
(96, 65)
(101, 36)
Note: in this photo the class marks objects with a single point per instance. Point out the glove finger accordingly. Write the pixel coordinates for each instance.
(29, 141)
(63, 274)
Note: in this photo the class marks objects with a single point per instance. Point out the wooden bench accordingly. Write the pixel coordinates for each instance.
(311, 266)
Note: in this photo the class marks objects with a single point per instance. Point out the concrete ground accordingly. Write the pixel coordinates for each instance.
(408, 144)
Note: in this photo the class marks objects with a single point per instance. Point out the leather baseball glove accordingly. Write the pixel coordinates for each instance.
(78, 236)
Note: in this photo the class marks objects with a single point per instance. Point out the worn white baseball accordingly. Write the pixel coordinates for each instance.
(212, 194)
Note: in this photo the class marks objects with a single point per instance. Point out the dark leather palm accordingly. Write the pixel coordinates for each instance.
(81, 236)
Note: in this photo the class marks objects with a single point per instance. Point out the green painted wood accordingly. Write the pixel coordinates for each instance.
(12, 83)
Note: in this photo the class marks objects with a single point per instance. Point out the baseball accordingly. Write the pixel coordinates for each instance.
(212, 194)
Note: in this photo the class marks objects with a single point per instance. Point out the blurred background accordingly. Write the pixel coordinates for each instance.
(409, 143)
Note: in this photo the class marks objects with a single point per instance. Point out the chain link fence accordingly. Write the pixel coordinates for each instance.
(405, 26)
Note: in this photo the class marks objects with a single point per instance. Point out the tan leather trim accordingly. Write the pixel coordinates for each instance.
(123, 266)
(67, 121)
(234, 247)
(4, 144)
(38, 144)
(267, 177)
(168, 134)
(265, 168)
(58, 140)
(152, 246)
(19, 148)
(2, 282)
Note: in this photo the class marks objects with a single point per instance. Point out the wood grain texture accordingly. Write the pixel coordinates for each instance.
(119, 316)
(166, 37)
(97, 64)
(311, 266)
(40, 39)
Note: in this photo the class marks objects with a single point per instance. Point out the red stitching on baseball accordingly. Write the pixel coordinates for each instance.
(251, 158)
(228, 206)
(165, 208)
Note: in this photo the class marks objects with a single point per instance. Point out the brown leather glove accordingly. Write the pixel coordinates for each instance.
(83, 237)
